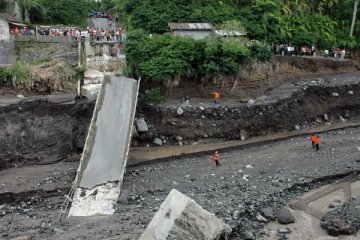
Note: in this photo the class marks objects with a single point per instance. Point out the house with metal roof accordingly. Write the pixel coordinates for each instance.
(7, 24)
(193, 30)
(224, 33)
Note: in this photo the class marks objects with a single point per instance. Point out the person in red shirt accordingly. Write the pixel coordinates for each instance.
(216, 96)
(216, 158)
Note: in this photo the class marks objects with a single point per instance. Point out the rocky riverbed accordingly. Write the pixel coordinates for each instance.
(246, 191)
(42, 138)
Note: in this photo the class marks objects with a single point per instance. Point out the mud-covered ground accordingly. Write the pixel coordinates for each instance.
(248, 181)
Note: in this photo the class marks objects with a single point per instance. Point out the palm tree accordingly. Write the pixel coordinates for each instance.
(28, 6)
(356, 3)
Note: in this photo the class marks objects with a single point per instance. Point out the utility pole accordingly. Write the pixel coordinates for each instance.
(356, 3)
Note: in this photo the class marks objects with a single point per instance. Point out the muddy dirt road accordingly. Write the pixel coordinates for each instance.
(248, 180)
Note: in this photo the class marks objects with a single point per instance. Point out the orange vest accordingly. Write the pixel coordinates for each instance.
(216, 95)
(317, 140)
(216, 157)
(313, 138)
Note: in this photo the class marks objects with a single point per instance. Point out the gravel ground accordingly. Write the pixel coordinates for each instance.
(248, 181)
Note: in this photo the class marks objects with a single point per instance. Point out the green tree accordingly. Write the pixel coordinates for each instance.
(68, 12)
(2, 6)
(30, 8)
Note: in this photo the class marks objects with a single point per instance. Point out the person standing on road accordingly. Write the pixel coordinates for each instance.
(317, 143)
(312, 139)
(216, 158)
(342, 54)
(216, 96)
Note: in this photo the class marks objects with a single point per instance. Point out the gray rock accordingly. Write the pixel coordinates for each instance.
(284, 230)
(20, 96)
(43, 225)
(58, 230)
(236, 215)
(158, 141)
(248, 235)
(326, 117)
(342, 119)
(179, 138)
(296, 127)
(141, 125)
(24, 237)
(179, 111)
(22, 134)
(202, 108)
(285, 216)
(351, 92)
(260, 218)
(344, 219)
(180, 143)
(251, 102)
(335, 94)
(183, 219)
(123, 199)
(243, 135)
(269, 214)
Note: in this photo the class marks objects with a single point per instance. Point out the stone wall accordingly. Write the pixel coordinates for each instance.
(7, 53)
(30, 51)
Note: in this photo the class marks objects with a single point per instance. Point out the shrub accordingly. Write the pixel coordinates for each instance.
(18, 76)
(260, 51)
(154, 96)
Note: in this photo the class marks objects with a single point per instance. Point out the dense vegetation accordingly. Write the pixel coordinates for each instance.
(170, 58)
(68, 12)
(163, 57)
(325, 23)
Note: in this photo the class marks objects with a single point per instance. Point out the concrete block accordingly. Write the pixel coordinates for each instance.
(90, 91)
(180, 217)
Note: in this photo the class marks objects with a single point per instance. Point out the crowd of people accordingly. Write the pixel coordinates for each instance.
(61, 31)
(16, 30)
(97, 14)
(108, 34)
(305, 50)
(94, 34)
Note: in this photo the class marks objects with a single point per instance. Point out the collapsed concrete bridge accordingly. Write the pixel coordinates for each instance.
(105, 154)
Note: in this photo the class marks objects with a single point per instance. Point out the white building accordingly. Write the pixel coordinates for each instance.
(193, 30)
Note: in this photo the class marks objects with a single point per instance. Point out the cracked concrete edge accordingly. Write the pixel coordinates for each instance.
(90, 138)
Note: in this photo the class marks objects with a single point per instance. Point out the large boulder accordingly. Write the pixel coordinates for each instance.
(141, 125)
(285, 216)
(180, 217)
(344, 219)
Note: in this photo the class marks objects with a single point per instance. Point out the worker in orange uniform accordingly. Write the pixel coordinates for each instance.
(216, 158)
(216, 96)
(317, 143)
(312, 139)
